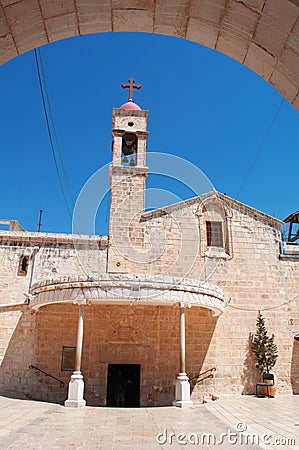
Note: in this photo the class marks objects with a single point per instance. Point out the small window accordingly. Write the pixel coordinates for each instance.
(23, 265)
(68, 358)
(214, 234)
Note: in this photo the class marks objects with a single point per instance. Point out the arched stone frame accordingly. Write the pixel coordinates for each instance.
(23, 266)
(213, 208)
(261, 34)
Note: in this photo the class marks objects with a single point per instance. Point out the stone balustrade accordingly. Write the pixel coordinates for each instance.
(128, 289)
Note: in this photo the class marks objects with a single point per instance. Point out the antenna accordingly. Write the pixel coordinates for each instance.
(39, 220)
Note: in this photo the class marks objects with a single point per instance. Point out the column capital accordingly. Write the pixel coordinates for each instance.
(117, 132)
(80, 302)
(142, 134)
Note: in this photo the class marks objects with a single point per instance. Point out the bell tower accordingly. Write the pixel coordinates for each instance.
(128, 174)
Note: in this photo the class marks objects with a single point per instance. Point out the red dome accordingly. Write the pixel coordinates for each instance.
(130, 105)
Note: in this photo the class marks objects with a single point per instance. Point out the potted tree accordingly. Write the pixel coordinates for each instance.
(265, 351)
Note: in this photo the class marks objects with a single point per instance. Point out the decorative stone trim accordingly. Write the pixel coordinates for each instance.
(228, 203)
(17, 238)
(133, 112)
(129, 289)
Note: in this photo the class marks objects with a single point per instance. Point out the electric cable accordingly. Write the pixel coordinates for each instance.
(53, 125)
(264, 309)
(49, 132)
(52, 129)
(260, 147)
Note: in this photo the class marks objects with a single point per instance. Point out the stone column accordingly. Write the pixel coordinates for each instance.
(182, 387)
(141, 150)
(117, 147)
(76, 385)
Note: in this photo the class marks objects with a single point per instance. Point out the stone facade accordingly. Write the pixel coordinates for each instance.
(133, 282)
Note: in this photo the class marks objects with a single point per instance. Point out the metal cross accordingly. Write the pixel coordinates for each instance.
(131, 86)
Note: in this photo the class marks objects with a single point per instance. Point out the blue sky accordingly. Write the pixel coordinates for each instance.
(204, 107)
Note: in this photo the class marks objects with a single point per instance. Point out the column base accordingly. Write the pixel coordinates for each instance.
(75, 403)
(182, 403)
(76, 390)
(182, 392)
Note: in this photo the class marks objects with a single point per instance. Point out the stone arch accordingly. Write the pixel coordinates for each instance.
(261, 34)
(212, 207)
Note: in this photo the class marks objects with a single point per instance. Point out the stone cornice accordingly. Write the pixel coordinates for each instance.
(129, 289)
(130, 112)
(43, 239)
(128, 171)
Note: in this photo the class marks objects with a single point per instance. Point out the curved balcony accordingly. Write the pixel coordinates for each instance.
(128, 289)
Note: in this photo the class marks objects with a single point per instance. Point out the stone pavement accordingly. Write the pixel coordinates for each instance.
(26, 424)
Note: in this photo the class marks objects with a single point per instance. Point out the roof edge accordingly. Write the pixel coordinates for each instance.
(32, 238)
(225, 198)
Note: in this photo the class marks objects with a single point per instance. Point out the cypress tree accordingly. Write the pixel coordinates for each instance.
(263, 346)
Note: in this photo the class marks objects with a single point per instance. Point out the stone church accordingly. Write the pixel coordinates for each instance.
(162, 310)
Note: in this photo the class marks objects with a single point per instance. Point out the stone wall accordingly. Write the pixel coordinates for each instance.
(15, 377)
(248, 269)
(50, 256)
(145, 335)
(148, 336)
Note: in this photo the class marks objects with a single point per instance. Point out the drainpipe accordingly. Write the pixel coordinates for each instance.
(28, 295)
(33, 255)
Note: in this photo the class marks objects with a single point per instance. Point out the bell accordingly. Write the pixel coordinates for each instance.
(125, 160)
(132, 162)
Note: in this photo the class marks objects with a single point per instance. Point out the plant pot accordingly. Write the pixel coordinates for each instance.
(265, 391)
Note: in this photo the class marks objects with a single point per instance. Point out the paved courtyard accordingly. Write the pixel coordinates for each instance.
(232, 421)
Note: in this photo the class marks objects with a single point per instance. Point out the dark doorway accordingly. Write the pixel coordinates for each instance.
(123, 385)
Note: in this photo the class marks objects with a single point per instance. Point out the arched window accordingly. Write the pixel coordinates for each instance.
(215, 228)
(23, 265)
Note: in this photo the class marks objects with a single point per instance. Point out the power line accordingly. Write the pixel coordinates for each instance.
(265, 308)
(53, 125)
(260, 147)
(49, 131)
